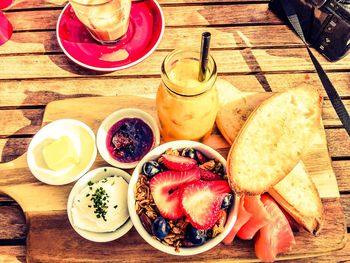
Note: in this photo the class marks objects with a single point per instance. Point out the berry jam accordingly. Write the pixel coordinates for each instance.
(129, 140)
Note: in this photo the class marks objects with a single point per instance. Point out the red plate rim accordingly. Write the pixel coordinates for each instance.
(110, 69)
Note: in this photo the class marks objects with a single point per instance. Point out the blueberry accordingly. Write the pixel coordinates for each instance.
(209, 233)
(151, 168)
(195, 236)
(189, 152)
(160, 227)
(227, 201)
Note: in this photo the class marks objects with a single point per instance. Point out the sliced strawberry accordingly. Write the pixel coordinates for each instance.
(166, 190)
(178, 163)
(201, 202)
(208, 175)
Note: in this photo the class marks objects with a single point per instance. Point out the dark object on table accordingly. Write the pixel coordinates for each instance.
(325, 23)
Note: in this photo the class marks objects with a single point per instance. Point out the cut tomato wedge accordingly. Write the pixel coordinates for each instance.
(275, 237)
(260, 217)
(242, 217)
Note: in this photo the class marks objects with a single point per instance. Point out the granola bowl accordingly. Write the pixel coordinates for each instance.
(172, 218)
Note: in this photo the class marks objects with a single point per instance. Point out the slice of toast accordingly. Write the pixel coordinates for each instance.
(273, 139)
(233, 112)
(298, 195)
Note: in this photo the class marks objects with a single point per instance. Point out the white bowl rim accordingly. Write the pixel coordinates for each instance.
(180, 144)
(79, 185)
(47, 179)
(117, 116)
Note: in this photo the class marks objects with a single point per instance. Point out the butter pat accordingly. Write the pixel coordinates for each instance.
(60, 154)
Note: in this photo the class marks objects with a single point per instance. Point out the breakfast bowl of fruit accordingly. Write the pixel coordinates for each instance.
(179, 199)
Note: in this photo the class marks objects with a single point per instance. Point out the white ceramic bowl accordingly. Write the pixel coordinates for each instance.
(153, 155)
(114, 118)
(94, 176)
(83, 140)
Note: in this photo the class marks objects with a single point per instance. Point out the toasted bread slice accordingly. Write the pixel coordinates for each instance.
(235, 108)
(298, 195)
(272, 140)
(233, 112)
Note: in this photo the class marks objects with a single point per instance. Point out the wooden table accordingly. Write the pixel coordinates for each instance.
(254, 50)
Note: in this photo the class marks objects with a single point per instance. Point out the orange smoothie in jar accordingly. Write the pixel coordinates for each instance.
(186, 107)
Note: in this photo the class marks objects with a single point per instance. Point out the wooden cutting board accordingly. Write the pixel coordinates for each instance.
(52, 239)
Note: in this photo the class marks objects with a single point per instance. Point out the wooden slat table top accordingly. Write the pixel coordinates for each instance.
(254, 50)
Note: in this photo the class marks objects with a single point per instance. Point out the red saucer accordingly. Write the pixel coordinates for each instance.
(6, 29)
(5, 3)
(145, 31)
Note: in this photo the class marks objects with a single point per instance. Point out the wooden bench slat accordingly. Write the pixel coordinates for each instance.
(28, 4)
(28, 121)
(19, 122)
(32, 93)
(338, 142)
(13, 147)
(342, 171)
(17, 254)
(175, 16)
(329, 115)
(345, 201)
(228, 61)
(222, 37)
(337, 256)
(12, 222)
(12, 254)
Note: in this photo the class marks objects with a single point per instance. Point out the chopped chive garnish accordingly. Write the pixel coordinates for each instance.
(100, 200)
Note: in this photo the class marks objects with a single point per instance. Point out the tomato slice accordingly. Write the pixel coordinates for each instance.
(275, 237)
(260, 217)
(242, 218)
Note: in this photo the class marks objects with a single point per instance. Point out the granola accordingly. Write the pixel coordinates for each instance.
(148, 211)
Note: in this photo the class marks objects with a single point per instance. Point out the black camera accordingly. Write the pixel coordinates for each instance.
(325, 23)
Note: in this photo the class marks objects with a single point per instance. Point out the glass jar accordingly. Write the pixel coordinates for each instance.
(106, 20)
(186, 107)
